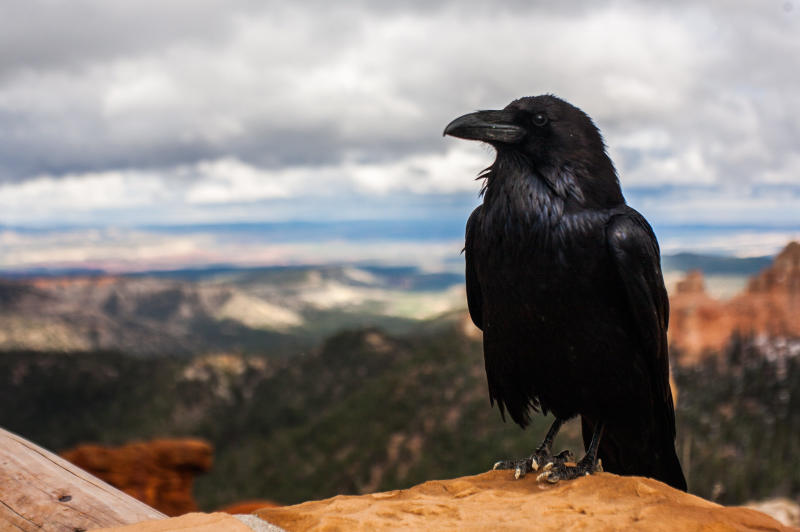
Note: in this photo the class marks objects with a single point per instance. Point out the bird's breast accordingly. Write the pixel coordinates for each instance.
(528, 252)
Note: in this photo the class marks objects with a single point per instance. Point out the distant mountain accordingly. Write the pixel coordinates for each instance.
(401, 277)
(714, 264)
(409, 277)
(276, 310)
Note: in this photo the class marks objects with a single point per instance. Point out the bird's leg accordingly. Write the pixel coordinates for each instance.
(541, 457)
(587, 465)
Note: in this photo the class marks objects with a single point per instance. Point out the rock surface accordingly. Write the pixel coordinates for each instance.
(159, 473)
(247, 507)
(698, 323)
(495, 501)
(198, 522)
(769, 307)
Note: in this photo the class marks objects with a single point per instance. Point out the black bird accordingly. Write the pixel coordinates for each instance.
(564, 279)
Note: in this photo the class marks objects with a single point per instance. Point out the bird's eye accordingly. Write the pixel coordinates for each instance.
(539, 119)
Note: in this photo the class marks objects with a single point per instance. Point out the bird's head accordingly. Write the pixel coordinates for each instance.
(555, 139)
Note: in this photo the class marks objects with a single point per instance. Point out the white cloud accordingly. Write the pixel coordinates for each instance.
(81, 192)
(689, 167)
(429, 173)
(721, 205)
(230, 180)
(227, 180)
(121, 250)
(347, 78)
(112, 250)
(204, 110)
(740, 244)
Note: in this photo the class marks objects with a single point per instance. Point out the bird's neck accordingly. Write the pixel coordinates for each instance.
(551, 190)
(516, 196)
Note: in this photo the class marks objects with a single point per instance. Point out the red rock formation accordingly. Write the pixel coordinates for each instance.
(495, 501)
(159, 473)
(770, 306)
(771, 303)
(697, 323)
(784, 274)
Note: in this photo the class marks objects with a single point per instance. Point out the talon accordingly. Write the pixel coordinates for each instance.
(496, 465)
(534, 464)
(565, 455)
(518, 473)
(548, 466)
(549, 476)
(599, 466)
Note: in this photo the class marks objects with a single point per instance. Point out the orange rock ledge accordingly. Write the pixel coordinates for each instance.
(495, 501)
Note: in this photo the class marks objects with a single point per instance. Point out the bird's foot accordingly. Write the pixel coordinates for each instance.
(540, 459)
(562, 471)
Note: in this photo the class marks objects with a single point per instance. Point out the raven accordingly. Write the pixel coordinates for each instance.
(564, 279)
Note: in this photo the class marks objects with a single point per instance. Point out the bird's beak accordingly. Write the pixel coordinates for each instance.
(488, 126)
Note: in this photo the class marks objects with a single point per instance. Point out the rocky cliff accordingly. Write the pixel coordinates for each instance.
(159, 473)
(768, 308)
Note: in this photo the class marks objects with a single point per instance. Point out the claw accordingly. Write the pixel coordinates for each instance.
(541, 476)
(548, 466)
(534, 464)
(496, 465)
(599, 466)
(565, 455)
(518, 473)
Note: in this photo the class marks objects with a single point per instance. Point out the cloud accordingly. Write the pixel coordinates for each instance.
(43, 35)
(730, 205)
(740, 243)
(124, 250)
(208, 109)
(227, 189)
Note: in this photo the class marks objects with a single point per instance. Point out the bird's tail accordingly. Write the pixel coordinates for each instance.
(638, 451)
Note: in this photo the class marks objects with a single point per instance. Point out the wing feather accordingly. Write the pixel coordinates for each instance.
(635, 252)
(474, 297)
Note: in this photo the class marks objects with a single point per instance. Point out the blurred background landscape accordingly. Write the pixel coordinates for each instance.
(236, 226)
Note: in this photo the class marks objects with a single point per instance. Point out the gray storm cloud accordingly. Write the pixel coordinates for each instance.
(193, 102)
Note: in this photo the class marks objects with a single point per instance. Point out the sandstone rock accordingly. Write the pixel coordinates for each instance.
(784, 274)
(698, 323)
(769, 307)
(198, 522)
(693, 283)
(771, 303)
(495, 501)
(159, 473)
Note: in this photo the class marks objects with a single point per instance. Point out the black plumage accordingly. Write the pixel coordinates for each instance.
(564, 280)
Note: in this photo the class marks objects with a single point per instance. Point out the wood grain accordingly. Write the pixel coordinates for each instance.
(43, 492)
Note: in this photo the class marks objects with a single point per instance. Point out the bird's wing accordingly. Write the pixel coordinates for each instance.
(635, 252)
(473, 288)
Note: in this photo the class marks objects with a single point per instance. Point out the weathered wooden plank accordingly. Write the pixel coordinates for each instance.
(43, 492)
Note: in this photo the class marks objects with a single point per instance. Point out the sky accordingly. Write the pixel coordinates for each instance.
(120, 121)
